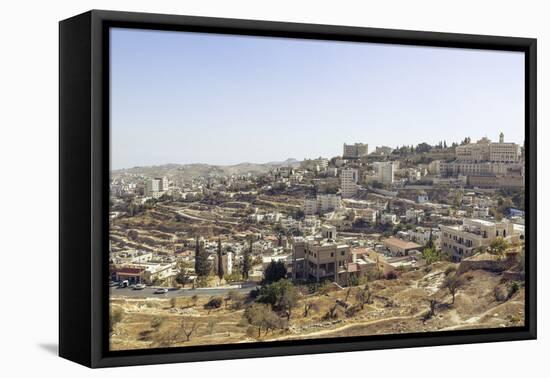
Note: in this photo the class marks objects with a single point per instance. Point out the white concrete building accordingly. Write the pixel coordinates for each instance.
(328, 202)
(310, 225)
(421, 235)
(466, 239)
(481, 168)
(156, 187)
(385, 170)
(414, 215)
(368, 215)
(480, 212)
(323, 203)
(349, 178)
(310, 206)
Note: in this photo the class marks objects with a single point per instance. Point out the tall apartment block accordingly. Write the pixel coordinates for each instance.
(385, 171)
(349, 178)
(355, 151)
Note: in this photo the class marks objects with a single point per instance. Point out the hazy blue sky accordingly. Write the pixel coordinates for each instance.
(203, 98)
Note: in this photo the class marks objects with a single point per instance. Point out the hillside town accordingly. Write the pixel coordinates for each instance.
(358, 239)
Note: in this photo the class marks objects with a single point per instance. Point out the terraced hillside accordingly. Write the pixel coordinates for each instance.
(416, 301)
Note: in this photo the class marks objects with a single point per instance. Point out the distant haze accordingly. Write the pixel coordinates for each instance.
(179, 97)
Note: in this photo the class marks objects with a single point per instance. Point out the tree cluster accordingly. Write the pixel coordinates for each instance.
(275, 271)
(282, 296)
(201, 259)
(260, 315)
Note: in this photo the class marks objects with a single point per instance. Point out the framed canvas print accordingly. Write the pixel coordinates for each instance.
(236, 188)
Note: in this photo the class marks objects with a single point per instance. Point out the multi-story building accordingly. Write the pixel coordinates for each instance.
(474, 152)
(328, 202)
(422, 235)
(504, 152)
(485, 168)
(464, 240)
(480, 212)
(319, 164)
(153, 185)
(349, 178)
(289, 223)
(485, 150)
(156, 187)
(434, 167)
(355, 151)
(298, 258)
(367, 215)
(309, 225)
(385, 170)
(323, 203)
(310, 206)
(414, 215)
(326, 258)
(512, 182)
(227, 262)
(163, 184)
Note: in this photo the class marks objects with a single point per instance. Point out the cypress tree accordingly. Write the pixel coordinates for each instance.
(220, 260)
(201, 261)
(430, 243)
(197, 255)
(246, 260)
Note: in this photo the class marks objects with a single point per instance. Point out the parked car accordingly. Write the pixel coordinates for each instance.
(139, 287)
(161, 290)
(124, 283)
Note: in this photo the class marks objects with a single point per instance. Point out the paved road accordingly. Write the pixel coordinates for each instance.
(149, 292)
(200, 219)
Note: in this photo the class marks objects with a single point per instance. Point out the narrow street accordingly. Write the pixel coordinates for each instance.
(149, 292)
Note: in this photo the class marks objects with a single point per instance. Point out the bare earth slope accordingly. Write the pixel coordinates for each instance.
(398, 306)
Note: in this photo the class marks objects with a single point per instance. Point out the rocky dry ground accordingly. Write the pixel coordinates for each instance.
(398, 306)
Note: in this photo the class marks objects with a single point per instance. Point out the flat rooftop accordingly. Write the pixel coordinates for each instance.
(400, 243)
(483, 222)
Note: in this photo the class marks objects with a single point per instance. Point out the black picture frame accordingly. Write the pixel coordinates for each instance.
(84, 186)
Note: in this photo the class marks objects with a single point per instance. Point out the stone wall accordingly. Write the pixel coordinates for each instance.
(487, 262)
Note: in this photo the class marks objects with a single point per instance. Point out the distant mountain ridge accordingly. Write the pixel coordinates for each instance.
(202, 169)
